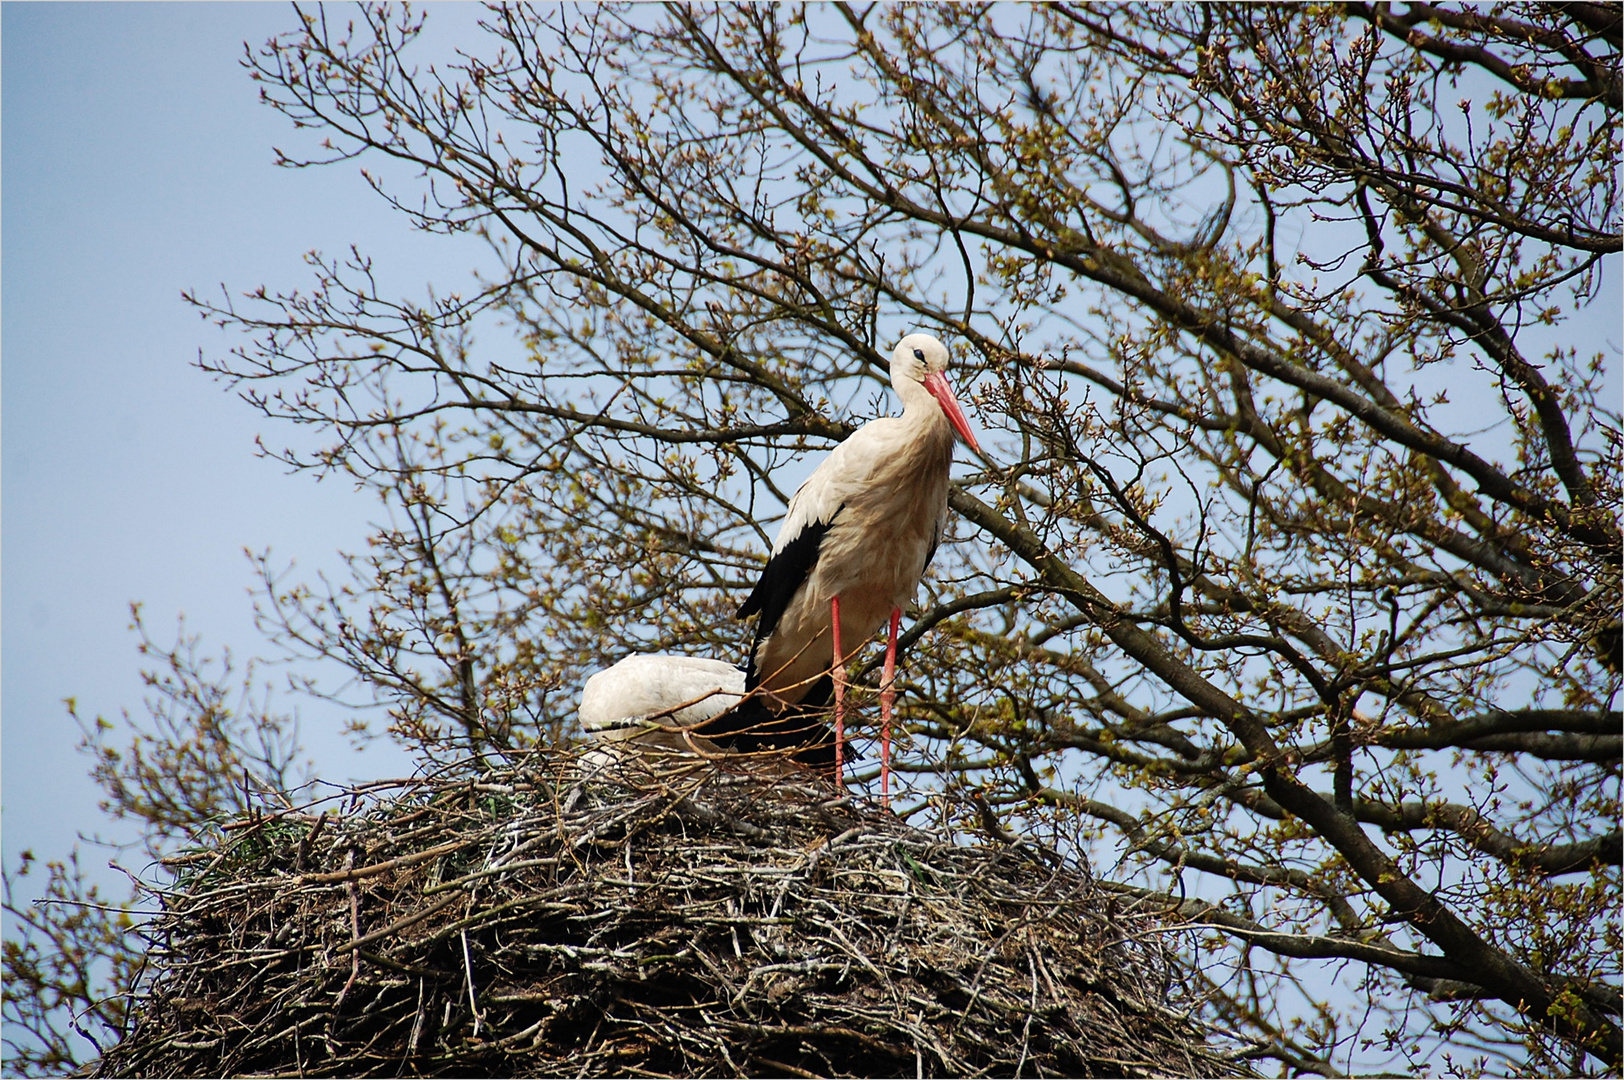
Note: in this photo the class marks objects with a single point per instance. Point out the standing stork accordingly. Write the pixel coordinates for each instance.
(854, 544)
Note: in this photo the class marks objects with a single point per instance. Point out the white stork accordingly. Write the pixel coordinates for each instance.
(654, 705)
(644, 693)
(854, 544)
(654, 702)
(663, 711)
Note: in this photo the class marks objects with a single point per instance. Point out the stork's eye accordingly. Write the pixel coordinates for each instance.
(919, 354)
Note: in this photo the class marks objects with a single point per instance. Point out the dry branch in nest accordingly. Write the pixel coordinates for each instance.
(544, 919)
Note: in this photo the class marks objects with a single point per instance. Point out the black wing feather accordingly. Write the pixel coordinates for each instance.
(781, 579)
(784, 573)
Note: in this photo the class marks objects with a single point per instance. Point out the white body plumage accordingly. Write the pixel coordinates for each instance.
(641, 694)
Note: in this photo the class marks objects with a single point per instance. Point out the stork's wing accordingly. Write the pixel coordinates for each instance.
(784, 574)
(810, 514)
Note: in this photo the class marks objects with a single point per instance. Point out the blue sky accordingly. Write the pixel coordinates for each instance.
(135, 162)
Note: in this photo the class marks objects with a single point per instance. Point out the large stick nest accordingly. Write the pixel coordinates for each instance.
(541, 921)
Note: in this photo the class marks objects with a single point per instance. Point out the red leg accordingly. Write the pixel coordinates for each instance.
(888, 699)
(837, 674)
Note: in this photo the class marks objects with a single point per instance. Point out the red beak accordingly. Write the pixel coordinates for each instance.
(936, 383)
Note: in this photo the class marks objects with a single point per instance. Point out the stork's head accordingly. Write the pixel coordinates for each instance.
(921, 360)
